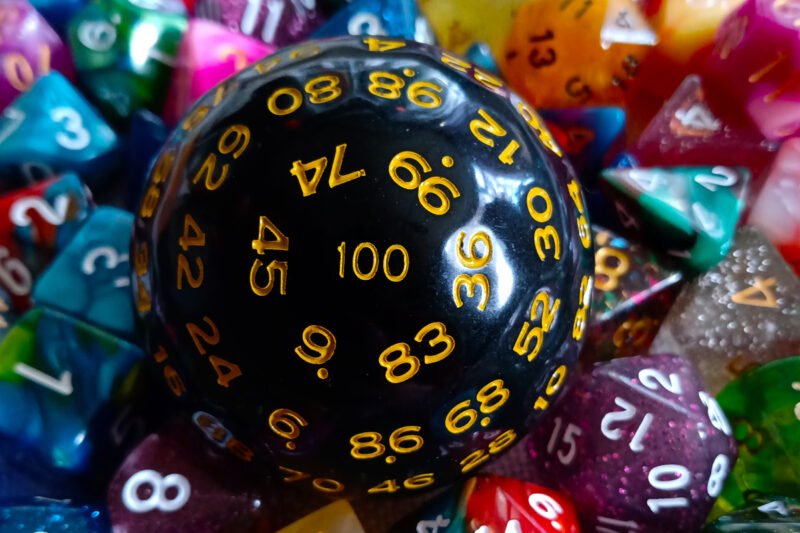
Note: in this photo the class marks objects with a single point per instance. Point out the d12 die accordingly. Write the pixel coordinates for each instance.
(762, 514)
(688, 212)
(637, 444)
(570, 53)
(689, 130)
(35, 223)
(56, 374)
(337, 517)
(58, 517)
(397, 18)
(90, 278)
(763, 406)
(276, 22)
(53, 125)
(632, 293)
(209, 53)
(124, 51)
(29, 48)
(743, 312)
(776, 212)
(763, 83)
(173, 482)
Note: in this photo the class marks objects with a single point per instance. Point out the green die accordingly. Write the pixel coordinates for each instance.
(124, 51)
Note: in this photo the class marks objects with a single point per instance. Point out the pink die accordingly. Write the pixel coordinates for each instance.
(29, 49)
(776, 212)
(209, 54)
(757, 60)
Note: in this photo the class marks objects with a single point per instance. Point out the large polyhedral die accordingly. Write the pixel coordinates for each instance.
(366, 262)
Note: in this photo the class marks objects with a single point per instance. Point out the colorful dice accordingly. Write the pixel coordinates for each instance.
(29, 49)
(637, 444)
(572, 53)
(53, 126)
(743, 312)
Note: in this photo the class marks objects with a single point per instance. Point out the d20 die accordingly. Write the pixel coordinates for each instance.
(637, 444)
(743, 312)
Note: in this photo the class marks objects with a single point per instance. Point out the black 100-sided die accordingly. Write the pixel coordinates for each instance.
(364, 261)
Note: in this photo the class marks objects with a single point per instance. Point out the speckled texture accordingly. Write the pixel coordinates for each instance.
(623, 462)
(723, 338)
(52, 518)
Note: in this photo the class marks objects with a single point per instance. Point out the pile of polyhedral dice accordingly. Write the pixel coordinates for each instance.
(377, 265)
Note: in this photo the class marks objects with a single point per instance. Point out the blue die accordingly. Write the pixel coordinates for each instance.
(396, 18)
(58, 13)
(51, 517)
(53, 126)
(90, 278)
(57, 376)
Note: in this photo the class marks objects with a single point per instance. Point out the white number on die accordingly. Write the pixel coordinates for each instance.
(54, 215)
(668, 477)
(112, 260)
(715, 413)
(628, 413)
(570, 434)
(158, 497)
(719, 471)
(14, 275)
(653, 379)
(432, 526)
(77, 136)
(547, 508)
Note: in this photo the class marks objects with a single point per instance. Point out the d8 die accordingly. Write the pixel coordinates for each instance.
(637, 443)
(29, 48)
(743, 312)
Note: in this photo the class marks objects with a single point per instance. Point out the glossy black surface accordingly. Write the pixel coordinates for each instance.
(260, 334)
